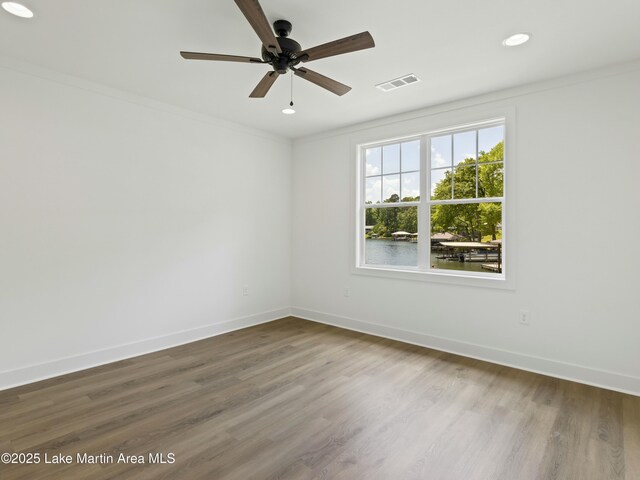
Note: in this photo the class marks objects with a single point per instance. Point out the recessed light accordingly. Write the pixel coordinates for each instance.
(516, 39)
(17, 9)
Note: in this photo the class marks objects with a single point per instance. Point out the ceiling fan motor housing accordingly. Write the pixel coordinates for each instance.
(290, 48)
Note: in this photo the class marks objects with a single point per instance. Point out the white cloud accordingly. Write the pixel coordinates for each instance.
(372, 169)
(390, 185)
(373, 189)
(438, 160)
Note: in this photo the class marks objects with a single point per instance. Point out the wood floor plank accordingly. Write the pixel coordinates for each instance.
(297, 400)
(631, 435)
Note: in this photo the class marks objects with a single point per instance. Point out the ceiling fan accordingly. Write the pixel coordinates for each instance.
(284, 53)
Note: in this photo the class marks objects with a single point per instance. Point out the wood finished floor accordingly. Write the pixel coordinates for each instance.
(298, 400)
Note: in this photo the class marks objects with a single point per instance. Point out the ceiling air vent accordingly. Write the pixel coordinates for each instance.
(398, 82)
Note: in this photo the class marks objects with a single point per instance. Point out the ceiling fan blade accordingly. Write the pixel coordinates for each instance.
(322, 81)
(216, 56)
(360, 41)
(254, 14)
(264, 85)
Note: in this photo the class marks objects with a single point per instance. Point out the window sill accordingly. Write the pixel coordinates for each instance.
(436, 276)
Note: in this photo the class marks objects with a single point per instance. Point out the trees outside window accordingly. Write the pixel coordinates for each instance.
(456, 223)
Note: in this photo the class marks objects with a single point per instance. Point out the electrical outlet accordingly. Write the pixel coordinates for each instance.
(346, 292)
(245, 291)
(524, 318)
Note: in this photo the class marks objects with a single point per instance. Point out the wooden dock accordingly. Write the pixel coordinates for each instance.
(493, 267)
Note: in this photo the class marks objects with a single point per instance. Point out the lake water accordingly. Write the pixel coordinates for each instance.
(390, 252)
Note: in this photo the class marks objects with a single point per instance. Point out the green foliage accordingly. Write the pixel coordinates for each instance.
(488, 238)
(491, 177)
(474, 221)
(496, 154)
(408, 219)
(387, 220)
(370, 217)
(388, 217)
(490, 218)
(463, 219)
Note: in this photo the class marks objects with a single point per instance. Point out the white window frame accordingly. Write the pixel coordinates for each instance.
(424, 129)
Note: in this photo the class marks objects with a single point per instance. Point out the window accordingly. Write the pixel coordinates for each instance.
(434, 203)
(392, 176)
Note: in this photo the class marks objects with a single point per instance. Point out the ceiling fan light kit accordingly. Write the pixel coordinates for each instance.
(289, 110)
(284, 54)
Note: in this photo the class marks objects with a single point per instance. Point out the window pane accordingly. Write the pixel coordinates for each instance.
(490, 180)
(467, 237)
(374, 190)
(411, 156)
(391, 158)
(464, 182)
(410, 187)
(488, 139)
(373, 161)
(441, 184)
(388, 239)
(391, 188)
(463, 165)
(441, 151)
(464, 147)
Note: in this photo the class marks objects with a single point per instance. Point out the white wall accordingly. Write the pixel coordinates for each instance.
(123, 220)
(577, 231)
(127, 226)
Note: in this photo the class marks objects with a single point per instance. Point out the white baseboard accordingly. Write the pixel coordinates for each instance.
(61, 366)
(567, 371)
(590, 376)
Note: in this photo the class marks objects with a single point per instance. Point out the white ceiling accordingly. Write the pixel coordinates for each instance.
(454, 46)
